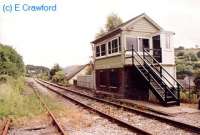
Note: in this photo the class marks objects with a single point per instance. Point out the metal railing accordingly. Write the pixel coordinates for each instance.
(149, 77)
(156, 71)
(162, 72)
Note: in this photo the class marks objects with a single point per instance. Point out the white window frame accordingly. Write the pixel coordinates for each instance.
(96, 51)
(118, 51)
(138, 42)
(106, 43)
(100, 56)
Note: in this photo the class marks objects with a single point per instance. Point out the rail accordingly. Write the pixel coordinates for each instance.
(6, 127)
(134, 110)
(109, 117)
(57, 124)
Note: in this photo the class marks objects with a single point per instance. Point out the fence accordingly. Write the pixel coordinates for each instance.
(85, 81)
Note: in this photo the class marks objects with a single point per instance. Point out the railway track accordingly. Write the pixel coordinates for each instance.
(177, 124)
(109, 117)
(6, 127)
(56, 123)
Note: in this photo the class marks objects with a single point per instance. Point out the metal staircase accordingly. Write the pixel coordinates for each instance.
(157, 78)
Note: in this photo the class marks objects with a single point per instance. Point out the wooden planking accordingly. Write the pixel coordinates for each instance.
(143, 25)
(109, 62)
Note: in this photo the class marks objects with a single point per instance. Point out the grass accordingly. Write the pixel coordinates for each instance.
(13, 103)
(17, 99)
(187, 97)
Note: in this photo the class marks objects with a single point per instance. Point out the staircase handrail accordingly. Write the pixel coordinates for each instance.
(133, 50)
(144, 60)
(163, 69)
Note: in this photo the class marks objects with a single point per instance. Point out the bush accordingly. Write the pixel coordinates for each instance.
(187, 97)
(181, 53)
(4, 78)
(55, 69)
(17, 99)
(59, 77)
(197, 82)
(198, 54)
(184, 69)
(191, 57)
(196, 66)
(11, 62)
(194, 57)
(180, 48)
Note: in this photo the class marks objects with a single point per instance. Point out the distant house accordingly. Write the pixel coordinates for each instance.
(72, 72)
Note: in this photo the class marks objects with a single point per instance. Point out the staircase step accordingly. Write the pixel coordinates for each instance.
(169, 103)
(159, 87)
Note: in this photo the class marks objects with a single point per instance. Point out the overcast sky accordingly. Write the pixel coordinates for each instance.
(64, 36)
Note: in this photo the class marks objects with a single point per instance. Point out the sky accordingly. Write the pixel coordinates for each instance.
(64, 36)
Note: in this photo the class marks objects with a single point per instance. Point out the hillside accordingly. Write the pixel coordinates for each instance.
(187, 61)
(32, 70)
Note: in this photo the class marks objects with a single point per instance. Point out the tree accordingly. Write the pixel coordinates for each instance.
(59, 77)
(11, 63)
(198, 54)
(180, 48)
(55, 69)
(100, 33)
(113, 20)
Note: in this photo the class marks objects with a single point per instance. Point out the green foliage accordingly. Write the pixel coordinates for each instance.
(44, 76)
(187, 61)
(198, 54)
(181, 53)
(113, 20)
(192, 57)
(59, 77)
(187, 97)
(100, 33)
(55, 69)
(35, 71)
(197, 81)
(184, 69)
(180, 48)
(17, 99)
(12, 101)
(196, 66)
(11, 62)
(4, 78)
